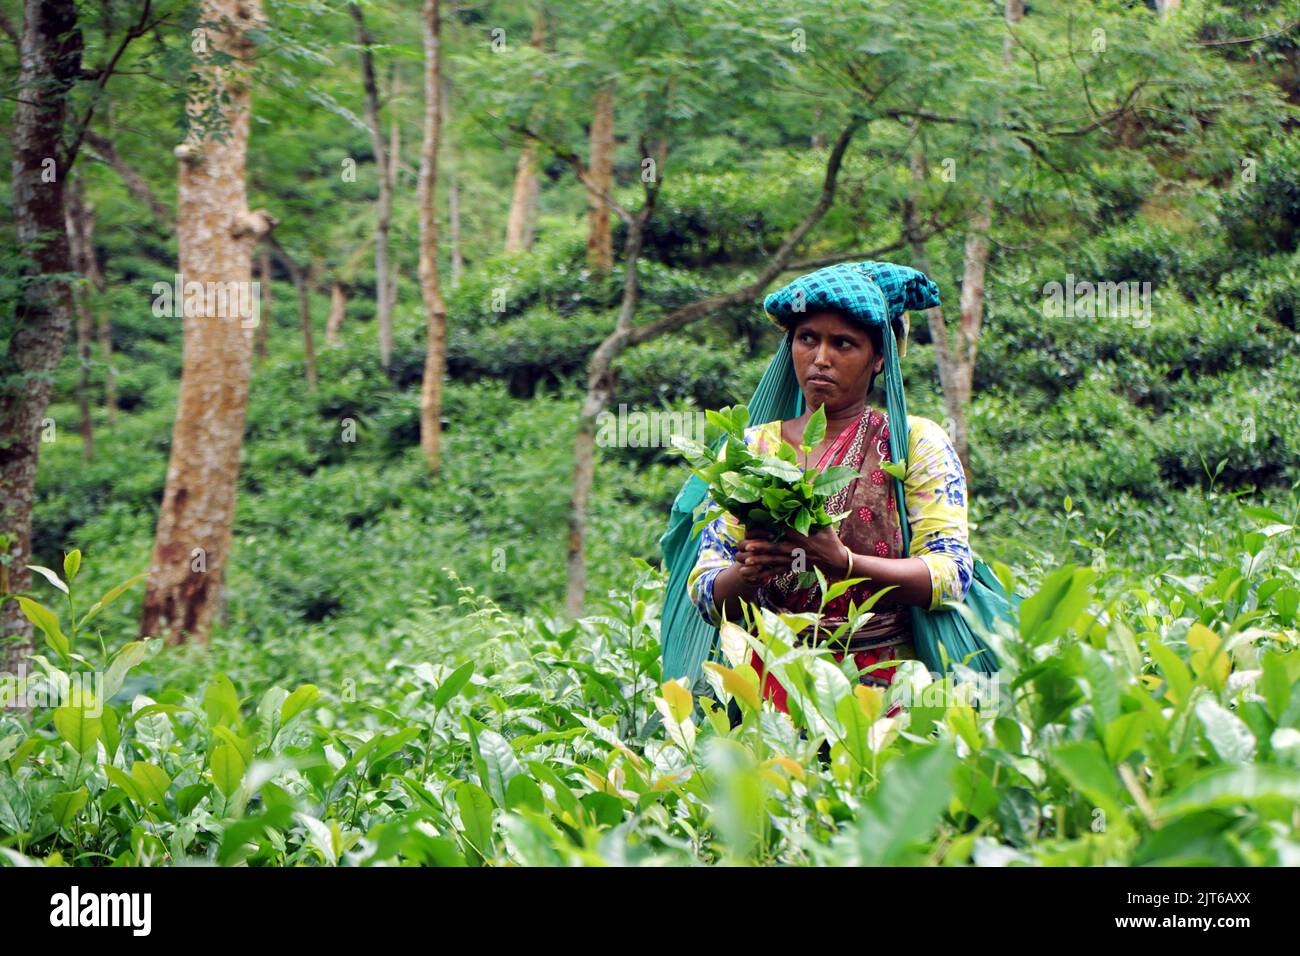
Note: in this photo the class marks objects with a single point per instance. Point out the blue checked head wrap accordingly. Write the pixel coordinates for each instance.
(871, 293)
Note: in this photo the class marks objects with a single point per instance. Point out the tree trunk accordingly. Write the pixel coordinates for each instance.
(105, 332)
(523, 201)
(394, 161)
(216, 233)
(384, 208)
(600, 389)
(600, 241)
(262, 332)
(949, 374)
(975, 262)
(103, 326)
(435, 309)
(974, 266)
(83, 262)
(302, 280)
(300, 276)
(50, 64)
(338, 311)
(519, 224)
(453, 191)
(453, 215)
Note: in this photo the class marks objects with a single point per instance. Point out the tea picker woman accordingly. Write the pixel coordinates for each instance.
(845, 325)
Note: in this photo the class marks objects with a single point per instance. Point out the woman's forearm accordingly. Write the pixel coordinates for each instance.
(911, 575)
(728, 591)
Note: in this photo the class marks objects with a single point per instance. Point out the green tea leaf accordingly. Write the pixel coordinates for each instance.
(833, 479)
(65, 806)
(296, 702)
(227, 768)
(110, 597)
(48, 623)
(151, 782)
(453, 685)
(895, 468)
(815, 430)
(49, 576)
(78, 729)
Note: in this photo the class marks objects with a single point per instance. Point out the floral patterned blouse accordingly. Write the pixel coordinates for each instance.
(935, 489)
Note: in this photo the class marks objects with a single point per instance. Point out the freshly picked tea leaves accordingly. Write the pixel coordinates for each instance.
(764, 490)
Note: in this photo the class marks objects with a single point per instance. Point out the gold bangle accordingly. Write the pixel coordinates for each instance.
(848, 572)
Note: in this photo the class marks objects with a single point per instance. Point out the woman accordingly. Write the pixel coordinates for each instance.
(837, 348)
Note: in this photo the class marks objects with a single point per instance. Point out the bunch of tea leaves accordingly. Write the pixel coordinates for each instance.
(764, 490)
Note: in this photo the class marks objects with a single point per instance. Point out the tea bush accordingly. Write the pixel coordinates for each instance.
(1149, 720)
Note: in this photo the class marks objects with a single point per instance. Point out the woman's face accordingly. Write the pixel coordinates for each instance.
(834, 360)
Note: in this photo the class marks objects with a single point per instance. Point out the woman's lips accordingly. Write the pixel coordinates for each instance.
(820, 380)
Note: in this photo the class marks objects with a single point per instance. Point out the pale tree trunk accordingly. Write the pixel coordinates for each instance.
(303, 283)
(600, 389)
(105, 332)
(600, 241)
(435, 309)
(949, 374)
(453, 216)
(338, 311)
(394, 161)
(523, 201)
(216, 234)
(1166, 7)
(600, 380)
(519, 223)
(300, 276)
(104, 324)
(453, 191)
(50, 64)
(975, 261)
(82, 255)
(262, 332)
(384, 208)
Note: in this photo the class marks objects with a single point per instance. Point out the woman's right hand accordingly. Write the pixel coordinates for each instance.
(758, 560)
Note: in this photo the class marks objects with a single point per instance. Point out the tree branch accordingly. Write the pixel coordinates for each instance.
(134, 182)
(142, 26)
(574, 160)
(775, 266)
(7, 26)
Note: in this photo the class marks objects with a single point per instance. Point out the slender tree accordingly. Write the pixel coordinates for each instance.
(435, 308)
(80, 239)
(338, 312)
(523, 201)
(600, 241)
(50, 64)
(263, 330)
(384, 206)
(217, 233)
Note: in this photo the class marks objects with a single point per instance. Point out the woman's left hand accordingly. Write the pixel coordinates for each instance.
(822, 549)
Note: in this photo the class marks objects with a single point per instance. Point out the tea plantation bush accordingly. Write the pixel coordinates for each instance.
(1147, 720)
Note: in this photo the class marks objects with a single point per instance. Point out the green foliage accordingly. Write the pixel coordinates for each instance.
(766, 491)
(1262, 214)
(1138, 720)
